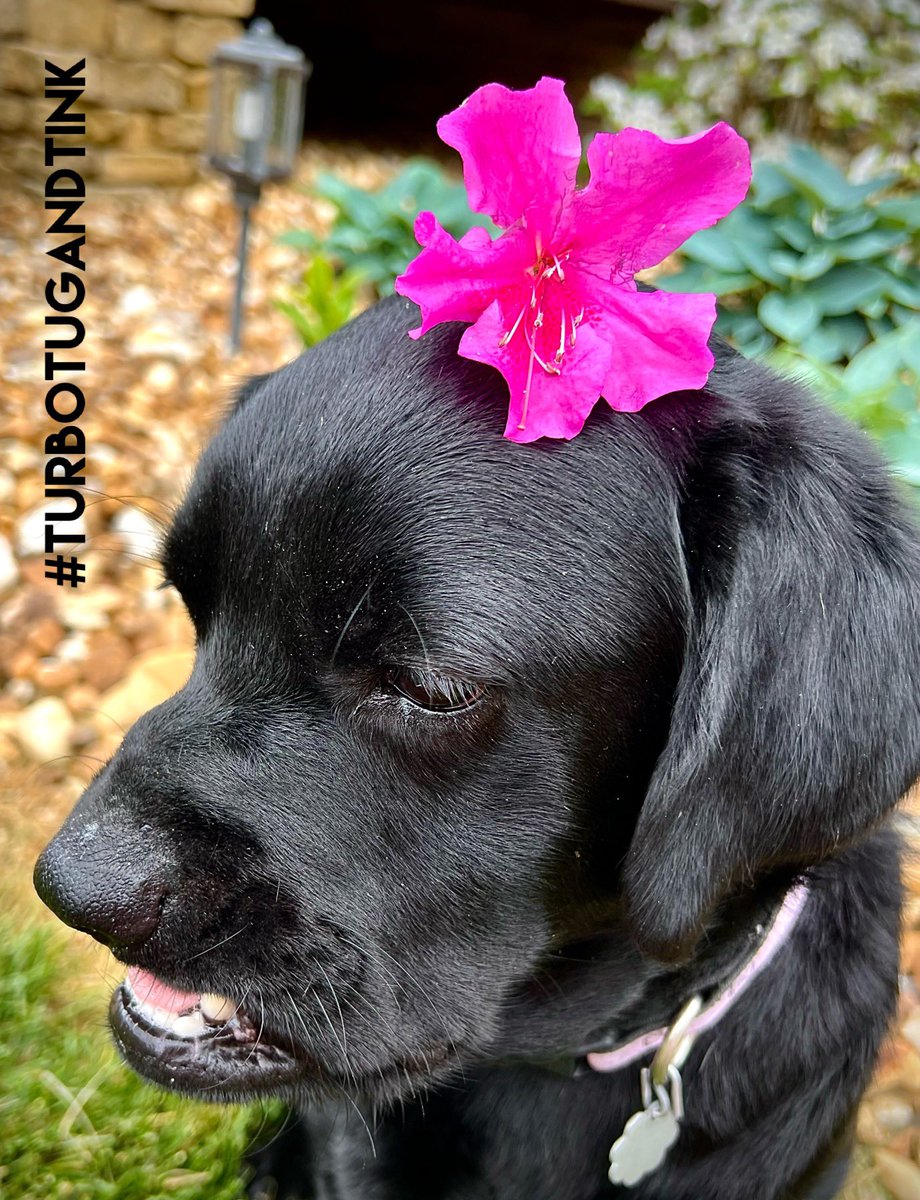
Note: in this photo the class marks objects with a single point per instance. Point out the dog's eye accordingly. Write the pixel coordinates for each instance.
(434, 692)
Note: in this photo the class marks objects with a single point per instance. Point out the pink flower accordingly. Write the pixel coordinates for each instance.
(553, 300)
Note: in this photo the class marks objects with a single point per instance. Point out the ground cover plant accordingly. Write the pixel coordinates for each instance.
(372, 232)
(820, 274)
(76, 1123)
(370, 242)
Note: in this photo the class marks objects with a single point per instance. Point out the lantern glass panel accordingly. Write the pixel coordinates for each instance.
(256, 119)
(287, 123)
(236, 119)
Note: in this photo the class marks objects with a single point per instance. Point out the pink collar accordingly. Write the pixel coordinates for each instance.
(776, 937)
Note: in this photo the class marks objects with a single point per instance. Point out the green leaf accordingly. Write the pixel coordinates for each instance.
(323, 300)
(746, 227)
(851, 330)
(901, 315)
(769, 185)
(694, 277)
(867, 245)
(418, 182)
(799, 234)
(359, 206)
(910, 345)
(824, 183)
(875, 366)
(757, 259)
(740, 327)
(905, 399)
(348, 239)
(806, 266)
(874, 309)
(300, 239)
(879, 327)
(712, 248)
(847, 287)
(904, 210)
(824, 344)
(903, 448)
(754, 347)
(905, 288)
(791, 316)
(844, 224)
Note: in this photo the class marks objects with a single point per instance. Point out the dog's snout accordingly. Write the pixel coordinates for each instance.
(103, 882)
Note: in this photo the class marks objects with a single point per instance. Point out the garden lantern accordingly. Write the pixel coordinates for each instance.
(257, 102)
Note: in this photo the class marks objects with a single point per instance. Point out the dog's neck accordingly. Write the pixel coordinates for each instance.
(601, 992)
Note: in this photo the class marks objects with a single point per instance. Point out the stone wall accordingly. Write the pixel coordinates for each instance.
(147, 81)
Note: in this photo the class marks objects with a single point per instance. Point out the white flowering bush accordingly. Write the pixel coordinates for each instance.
(841, 75)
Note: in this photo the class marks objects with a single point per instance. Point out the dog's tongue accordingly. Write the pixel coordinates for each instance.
(151, 990)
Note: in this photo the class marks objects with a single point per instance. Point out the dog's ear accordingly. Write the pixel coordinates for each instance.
(796, 723)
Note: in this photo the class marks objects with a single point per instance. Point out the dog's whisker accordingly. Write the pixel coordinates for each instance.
(217, 945)
(291, 1117)
(338, 1006)
(332, 1028)
(420, 638)
(367, 1129)
(389, 979)
(258, 1037)
(351, 617)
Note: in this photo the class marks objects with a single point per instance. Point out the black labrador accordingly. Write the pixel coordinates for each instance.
(492, 757)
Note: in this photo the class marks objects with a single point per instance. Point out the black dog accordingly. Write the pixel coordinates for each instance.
(493, 755)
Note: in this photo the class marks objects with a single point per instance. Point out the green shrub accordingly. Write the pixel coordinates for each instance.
(79, 1125)
(821, 274)
(323, 300)
(372, 234)
(843, 77)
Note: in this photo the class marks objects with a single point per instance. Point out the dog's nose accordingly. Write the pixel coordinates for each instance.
(102, 882)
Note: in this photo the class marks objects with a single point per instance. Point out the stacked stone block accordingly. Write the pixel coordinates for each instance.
(147, 80)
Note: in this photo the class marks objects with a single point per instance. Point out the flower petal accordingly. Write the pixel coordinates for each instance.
(658, 340)
(648, 194)
(520, 153)
(558, 405)
(456, 281)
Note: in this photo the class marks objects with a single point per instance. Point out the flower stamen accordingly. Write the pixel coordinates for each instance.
(547, 367)
(532, 317)
(561, 351)
(509, 334)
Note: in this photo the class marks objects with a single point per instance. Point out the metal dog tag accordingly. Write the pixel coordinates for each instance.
(649, 1134)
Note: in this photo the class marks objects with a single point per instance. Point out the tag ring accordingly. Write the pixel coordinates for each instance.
(677, 1043)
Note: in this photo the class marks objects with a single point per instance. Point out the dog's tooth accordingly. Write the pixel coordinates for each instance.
(158, 1016)
(217, 1009)
(188, 1025)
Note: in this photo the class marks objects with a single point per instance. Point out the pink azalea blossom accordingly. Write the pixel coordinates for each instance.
(553, 300)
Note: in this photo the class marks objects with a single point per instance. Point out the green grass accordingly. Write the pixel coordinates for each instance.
(74, 1121)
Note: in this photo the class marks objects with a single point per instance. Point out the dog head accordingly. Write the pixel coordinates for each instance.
(458, 703)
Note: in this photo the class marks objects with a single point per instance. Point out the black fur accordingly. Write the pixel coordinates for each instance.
(699, 630)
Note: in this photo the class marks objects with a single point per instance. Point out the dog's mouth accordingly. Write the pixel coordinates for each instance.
(207, 1045)
(199, 1042)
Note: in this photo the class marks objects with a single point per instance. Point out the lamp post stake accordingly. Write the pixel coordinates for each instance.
(255, 127)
